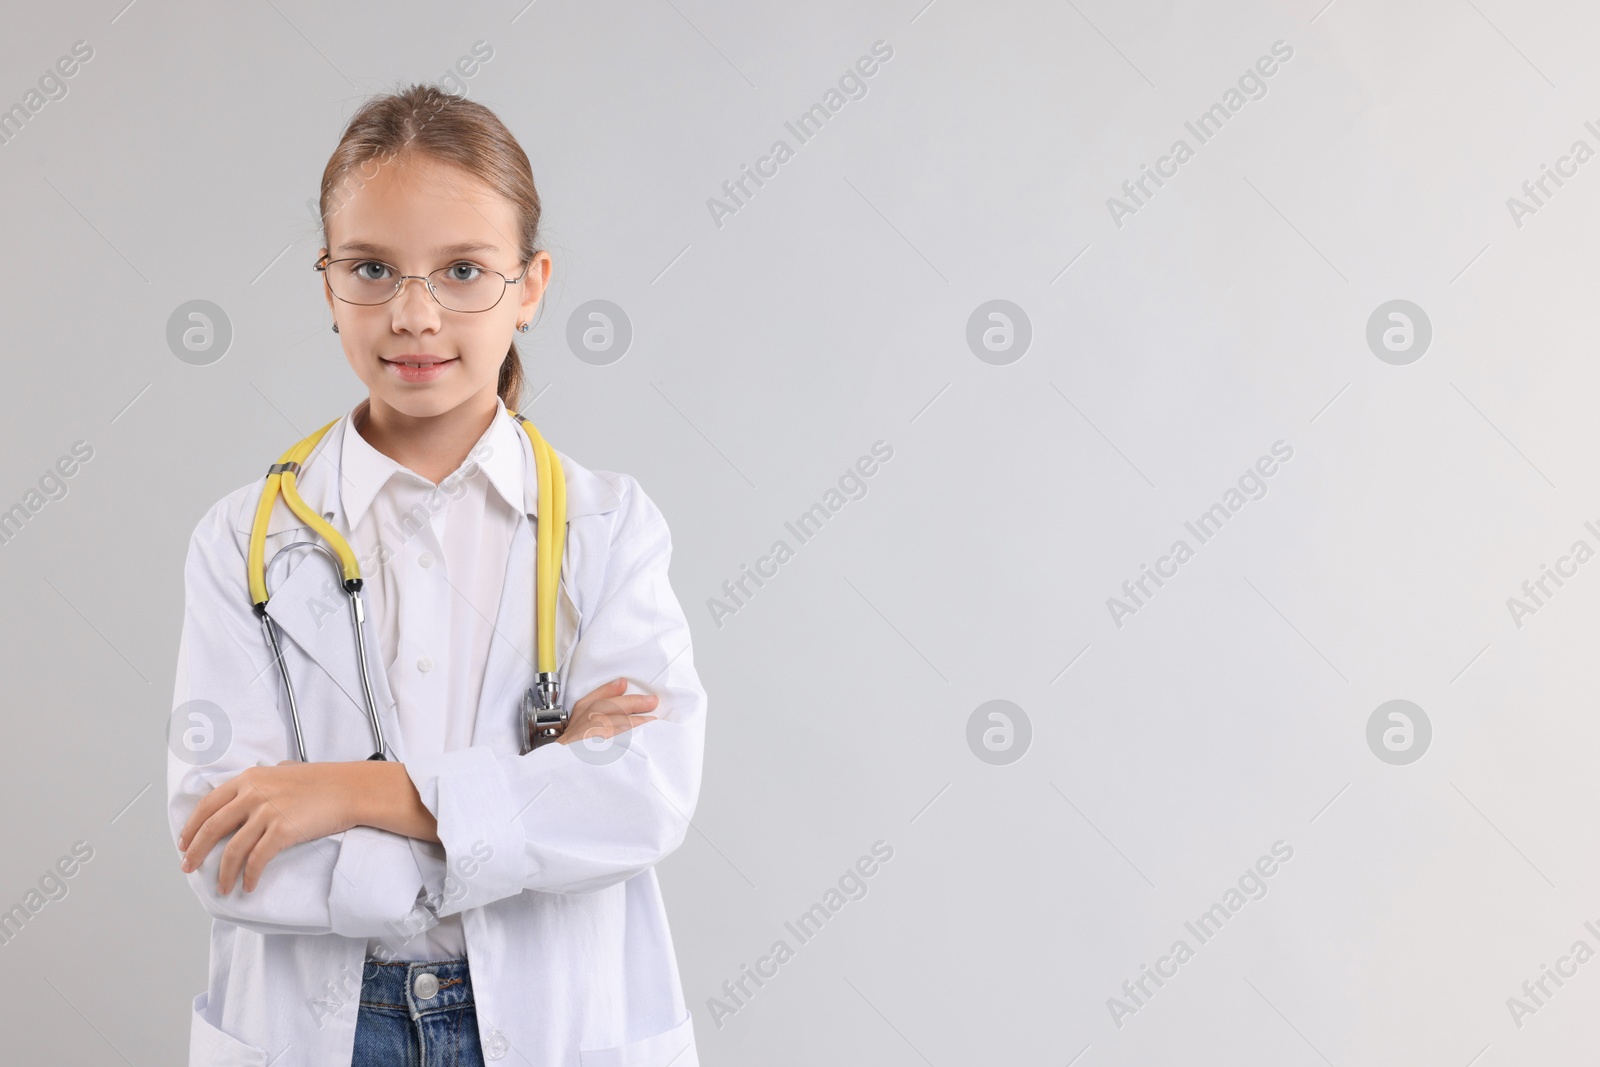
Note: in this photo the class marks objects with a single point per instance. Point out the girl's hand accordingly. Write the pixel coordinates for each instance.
(606, 713)
(267, 809)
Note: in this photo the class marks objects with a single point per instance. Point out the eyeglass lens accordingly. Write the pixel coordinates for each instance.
(459, 287)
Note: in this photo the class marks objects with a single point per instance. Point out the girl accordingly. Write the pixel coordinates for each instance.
(457, 900)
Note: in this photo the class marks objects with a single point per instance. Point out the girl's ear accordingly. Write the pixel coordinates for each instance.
(534, 282)
(327, 293)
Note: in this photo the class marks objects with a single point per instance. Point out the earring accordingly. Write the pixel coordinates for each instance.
(336, 327)
(523, 327)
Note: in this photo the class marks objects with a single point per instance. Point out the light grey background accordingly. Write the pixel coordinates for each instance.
(769, 353)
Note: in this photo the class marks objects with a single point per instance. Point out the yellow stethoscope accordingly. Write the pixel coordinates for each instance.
(542, 717)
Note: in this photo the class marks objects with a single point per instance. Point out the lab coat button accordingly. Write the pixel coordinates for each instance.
(425, 560)
(426, 986)
(424, 664)
(498, 1045)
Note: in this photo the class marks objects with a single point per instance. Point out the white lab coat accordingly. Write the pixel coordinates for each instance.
(550, 855)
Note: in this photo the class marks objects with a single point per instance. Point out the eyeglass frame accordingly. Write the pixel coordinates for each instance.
(400, 281)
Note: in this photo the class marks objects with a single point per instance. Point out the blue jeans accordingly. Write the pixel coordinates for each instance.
(417, 1013)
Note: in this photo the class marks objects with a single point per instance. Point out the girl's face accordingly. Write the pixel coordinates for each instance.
(414, 217)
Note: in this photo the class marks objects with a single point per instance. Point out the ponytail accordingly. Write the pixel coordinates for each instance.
(510, 384)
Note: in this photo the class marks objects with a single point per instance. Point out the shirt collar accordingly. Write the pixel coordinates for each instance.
(365, 470)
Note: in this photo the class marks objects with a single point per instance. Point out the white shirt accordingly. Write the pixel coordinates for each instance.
(434, 560)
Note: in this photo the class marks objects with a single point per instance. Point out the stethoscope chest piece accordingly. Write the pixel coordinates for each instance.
(543, 717)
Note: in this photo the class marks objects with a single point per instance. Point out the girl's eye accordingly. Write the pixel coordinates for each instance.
(463, 273)
(360, 270)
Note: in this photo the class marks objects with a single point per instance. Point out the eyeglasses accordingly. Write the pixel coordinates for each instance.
(458, 287)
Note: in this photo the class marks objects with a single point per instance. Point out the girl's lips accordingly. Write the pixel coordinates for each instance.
(425, 373)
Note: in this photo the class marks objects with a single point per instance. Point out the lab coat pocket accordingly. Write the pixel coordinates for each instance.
(210, 1046)
(670, 1048)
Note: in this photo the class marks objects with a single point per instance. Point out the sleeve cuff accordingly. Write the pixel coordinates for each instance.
(377, 887)
(478, 825)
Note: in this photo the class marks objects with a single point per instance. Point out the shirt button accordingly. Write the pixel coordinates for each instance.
(425, 560)
(498, 1045)
(426, 986)
(424, 664)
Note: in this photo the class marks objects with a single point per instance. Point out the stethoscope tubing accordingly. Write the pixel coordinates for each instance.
(358, 613)
(543, 716)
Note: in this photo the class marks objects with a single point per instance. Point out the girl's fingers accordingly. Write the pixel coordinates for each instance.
(603, 726)
(200, 842)
(604, 695)
(645, 701)
(235, 852)
(208, 805)
(622, 718)
(266, 848)
(219, 824)
(616, 685)
(615, 724)
(608, 711)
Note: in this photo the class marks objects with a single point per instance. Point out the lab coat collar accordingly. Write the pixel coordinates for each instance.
(321, 483)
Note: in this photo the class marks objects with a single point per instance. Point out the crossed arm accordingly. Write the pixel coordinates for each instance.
(548, 821)
(267, 809)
